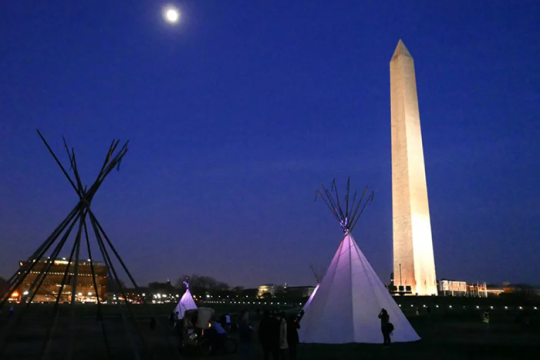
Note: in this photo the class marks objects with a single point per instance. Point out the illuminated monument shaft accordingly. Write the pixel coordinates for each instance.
(414, 263)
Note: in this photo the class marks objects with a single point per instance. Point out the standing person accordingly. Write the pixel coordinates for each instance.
(171, 319)
(244, 330)
(485, 318)
(228, 322)
(267, 337)
(292, 336)
(220, 331)
(417, 311)
(385, 326)
(283, 345)
(11, 310)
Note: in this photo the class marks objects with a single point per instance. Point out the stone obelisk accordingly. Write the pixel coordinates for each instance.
(414, 263)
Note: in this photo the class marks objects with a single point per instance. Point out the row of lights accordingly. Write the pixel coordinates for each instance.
(478, 307)
(243, 302)
(79, 294)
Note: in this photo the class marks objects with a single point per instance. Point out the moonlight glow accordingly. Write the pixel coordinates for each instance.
(171, 14)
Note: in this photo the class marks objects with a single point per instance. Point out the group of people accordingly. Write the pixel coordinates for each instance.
(277, 332)
(278, 335)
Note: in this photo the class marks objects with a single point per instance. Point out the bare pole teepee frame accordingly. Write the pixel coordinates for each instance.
(78, 218)
(347, 211)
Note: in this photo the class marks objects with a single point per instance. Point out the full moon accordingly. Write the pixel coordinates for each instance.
(172, 15)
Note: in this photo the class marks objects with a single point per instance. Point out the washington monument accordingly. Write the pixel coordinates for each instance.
(414, 263)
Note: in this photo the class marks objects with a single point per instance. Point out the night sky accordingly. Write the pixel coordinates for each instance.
(237, 114)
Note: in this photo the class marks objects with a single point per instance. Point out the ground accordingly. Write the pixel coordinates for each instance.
(446, 334)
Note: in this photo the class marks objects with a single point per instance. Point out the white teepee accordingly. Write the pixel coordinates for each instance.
(186, 303)
(350, 297)
(348, 300)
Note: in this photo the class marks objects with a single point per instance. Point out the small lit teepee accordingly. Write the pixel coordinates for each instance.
(351, 295)
(186, 303)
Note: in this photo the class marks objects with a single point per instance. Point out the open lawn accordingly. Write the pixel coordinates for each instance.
(446, 334)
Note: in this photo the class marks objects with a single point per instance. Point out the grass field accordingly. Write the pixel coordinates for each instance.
(447, 333)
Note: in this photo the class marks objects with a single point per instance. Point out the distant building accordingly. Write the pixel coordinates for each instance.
(267, 289)
(461, 288)
(452, 288)
(494, 290)
(521, 289)
(300, 291)
(477, 290)
(285, 290)
(49, 289)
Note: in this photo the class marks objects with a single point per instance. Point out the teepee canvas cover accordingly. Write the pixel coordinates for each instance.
(350, 297)
(347, 303)
(308, 302)
(186, 303)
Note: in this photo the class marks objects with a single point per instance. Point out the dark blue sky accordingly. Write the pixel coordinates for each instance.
(237, 115)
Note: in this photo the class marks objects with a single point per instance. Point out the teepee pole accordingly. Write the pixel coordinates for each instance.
(128, 273)
(100, 311)
(73, 166)
(75, 281)
(112, 271)
(337, 201)
(54, 316)
(46, 244)
(368, 201)
(112, 148)
(347, 198)
(54, 256)
(59, 163)
(323, 197)
(17, 279)
(12, 328)
(332, 203)
(359, 203)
